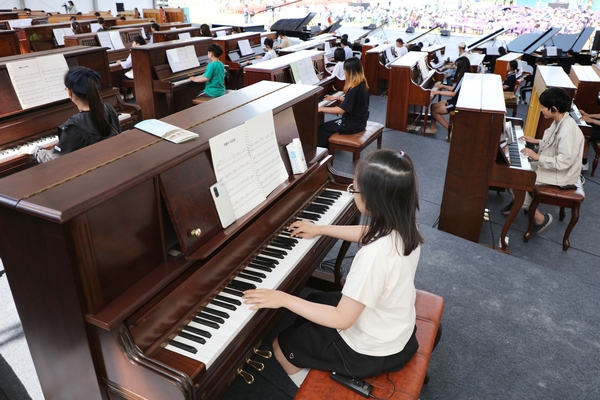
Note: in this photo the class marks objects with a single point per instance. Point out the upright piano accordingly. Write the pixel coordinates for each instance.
(376, 67)
(19, 127)
(409, 86)
(232, 56)
(587, 81)
(124, 249)
(41, 37)
(9, 43)
(502, 62)
(160, 91)
(478, 160)
(173, 34)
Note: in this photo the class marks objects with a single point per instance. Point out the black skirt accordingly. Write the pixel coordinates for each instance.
(308, 345)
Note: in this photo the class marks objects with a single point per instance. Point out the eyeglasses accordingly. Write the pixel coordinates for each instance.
(351, 189)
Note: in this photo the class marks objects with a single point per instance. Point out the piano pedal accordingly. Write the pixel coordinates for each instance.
(255, 364)
(247, 377)
(263, 353)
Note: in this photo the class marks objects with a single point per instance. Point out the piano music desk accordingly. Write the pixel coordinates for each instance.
(587, 82)
(376, 72)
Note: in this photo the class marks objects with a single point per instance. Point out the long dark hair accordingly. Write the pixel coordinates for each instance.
(76, 26)
(463, 65)
(388, 185)
(83, 82)
(354, 74)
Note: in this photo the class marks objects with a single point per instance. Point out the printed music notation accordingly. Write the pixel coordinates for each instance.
(166, 131)
(248, 161)
(39, 80)
(182, 58)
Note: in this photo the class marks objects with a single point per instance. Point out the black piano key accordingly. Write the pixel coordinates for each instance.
(212, 318)
(234, 292)
(250, 277)
(330, 194)
(254, 273)
(281, 245)
(263, 260)
(226, 306)
(286, 240)
(287, 237)
(275, 251)
(310, 216)
(317, 209)
(204, 322)
(183, 346)
(197, 331)
(320, 200)
(229, 300)
(267, 252)
(194, 338)
(218, 313)
(259, 267)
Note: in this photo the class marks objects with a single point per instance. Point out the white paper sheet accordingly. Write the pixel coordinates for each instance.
(307, 71)
(184, 35)
(115, 39)
(104, 39)
(94, 27)
(19, 23)
(221, 33)
(182, 58)
(244, 46)
(59, 35)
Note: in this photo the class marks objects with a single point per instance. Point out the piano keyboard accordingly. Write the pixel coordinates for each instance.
(517, 159)
(48, 141)
(211, 331)
(326, 103)
(185, 80)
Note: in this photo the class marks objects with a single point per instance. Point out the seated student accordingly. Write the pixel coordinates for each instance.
(369, 327)
(559, 156)
(401, 49)
(153, 28)
(569, 61)
(338, 69)
(76, 27)
(205, 31)
(441, 108)
(128, 63)
(354, 107)
(95, 121)
(528, 87)
(284, 40)
(214, 77)
(102, 24)
(511, 78)
(346, 46)
(269, 52)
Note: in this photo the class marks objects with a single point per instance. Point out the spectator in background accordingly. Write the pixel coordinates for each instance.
(71, 9)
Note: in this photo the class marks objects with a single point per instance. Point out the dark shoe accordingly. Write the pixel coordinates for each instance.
(507, 208)
(547, 221)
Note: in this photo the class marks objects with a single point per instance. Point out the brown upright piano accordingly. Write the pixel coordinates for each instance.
(232, 56)
(478, 160)
(158, 90)
(124, 248)
(502, 62)
(41, 37)
(18, 126)
(9, 43)
(173, 34)
(377, 70)
(587, 81)
(408, 87)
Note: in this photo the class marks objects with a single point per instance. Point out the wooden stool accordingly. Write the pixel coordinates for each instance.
(356, 142)
(553, 195)
(407, 382)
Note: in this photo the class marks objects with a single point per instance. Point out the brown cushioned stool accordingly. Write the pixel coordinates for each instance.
(555, 196)
(355, 143)
(204, 99)
(407, 382)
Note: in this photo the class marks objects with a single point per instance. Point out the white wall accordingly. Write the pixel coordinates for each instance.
(9, 4)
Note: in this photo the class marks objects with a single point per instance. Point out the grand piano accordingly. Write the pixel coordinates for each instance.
(160, 91)
(124, 249)
(19, 127)
(409, 87)
(479, 160)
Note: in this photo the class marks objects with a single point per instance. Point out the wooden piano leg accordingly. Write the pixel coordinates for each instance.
(519, 199)
(169, 103)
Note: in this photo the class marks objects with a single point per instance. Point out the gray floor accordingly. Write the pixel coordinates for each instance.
(520, 326)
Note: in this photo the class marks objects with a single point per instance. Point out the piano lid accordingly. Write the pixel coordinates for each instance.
(416, 38)
(293, 24)
(530, 42)
(574, 41)
(481, 40)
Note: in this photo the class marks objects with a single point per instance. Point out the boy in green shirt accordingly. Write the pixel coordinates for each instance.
(214, 77)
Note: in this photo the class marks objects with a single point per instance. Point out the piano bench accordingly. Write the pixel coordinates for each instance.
(204, 99)
(406, 383)
(555, 196)
(357, 142)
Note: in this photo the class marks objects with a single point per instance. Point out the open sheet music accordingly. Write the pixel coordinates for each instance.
(166, 131)
(184, 35)
(248, 160)
(182, 58)
(244, 46)
(39, 80)
(303, 72)
(60, 33)
(19, 23)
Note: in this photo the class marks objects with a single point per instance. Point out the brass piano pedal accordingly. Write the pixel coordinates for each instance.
(263, 353)
(255, 364)
(247, 377)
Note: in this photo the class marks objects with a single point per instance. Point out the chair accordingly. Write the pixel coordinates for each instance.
(513, 102)
(356, 142)
(554, 195)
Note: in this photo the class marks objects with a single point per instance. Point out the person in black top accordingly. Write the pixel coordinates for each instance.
(511, 78)
(95, 121)
(354, 107)
(102, 24)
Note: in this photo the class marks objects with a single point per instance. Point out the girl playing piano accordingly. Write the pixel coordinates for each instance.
(95, 121)
(370, 326)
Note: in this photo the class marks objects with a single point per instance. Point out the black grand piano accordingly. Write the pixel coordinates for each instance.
(298, 27)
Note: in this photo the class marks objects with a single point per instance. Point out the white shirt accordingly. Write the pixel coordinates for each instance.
(401, 51)
(338, 71)
(348, 52)
(269, 55)
(127, 63)
(382, 279)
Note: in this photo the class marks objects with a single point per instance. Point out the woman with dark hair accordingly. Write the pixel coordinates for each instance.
(214, 76)
(370, 326)
(559, 156)
(103, 26)
(354, 107)
(441, 108)
(338, 70)
(205, 31)
(76, 27)
(511, 78)
(95, 121)
(153, 28)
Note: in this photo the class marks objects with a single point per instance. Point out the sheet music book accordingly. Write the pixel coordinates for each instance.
(94, 26)
(166, 131)
(39, 80)
(104, 39)
(551, 51)
(115, 39)
(182, 58)
(60, 33)
(184, 35)
(328, 49)
(388, 53)
(19, 23)
(244, 46)
(423, 67)
(143, 33)
(303, 72)
(440, 57)
(221, 33)
(248, 160)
